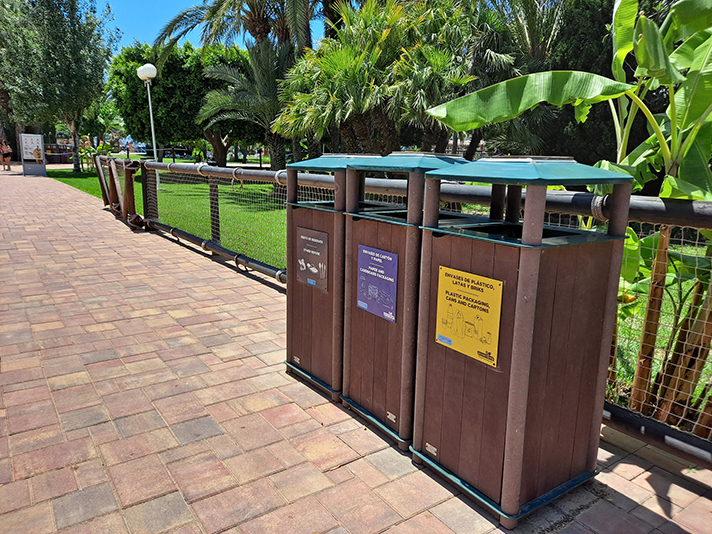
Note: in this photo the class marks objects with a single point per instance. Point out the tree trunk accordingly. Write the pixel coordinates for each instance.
(277, 154)
(474, 144)
(667, 371)
(74, 129)
(677, 397)
(387, 132)
(335, 139)
(455, 139)
(297, 150)
(331, 18)
(442, 141)
(703, 425)
(429, 138)
(640, 396)
(349, 139)
(220, 145)
(313, 147)
(363, 133)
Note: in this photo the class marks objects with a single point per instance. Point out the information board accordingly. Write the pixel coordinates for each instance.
(377, 282)
(33, 160)
(313, 258)
(468, 314)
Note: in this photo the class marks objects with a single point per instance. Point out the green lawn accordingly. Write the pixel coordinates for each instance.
(252, 218)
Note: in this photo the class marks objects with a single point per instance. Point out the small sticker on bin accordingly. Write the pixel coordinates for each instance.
(443, 339)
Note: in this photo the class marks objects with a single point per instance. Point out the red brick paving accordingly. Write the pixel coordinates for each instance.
(142, 390)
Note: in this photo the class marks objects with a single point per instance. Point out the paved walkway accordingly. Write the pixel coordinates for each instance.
(142, 390)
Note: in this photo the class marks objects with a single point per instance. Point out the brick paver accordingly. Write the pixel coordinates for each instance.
(142, 390)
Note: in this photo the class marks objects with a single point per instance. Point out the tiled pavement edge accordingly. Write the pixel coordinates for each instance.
(142, 390)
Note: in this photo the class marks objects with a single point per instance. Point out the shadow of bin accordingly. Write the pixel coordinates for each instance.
(516, 322)
(381, 294)
(315, 277)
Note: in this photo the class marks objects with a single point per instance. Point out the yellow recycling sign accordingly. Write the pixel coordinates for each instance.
(468, 314)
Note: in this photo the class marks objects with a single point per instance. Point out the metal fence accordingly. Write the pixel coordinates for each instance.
(244, 211)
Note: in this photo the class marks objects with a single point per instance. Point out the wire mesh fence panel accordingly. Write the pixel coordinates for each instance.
(662, 367)
(315, 194)
(399, 200)
(253, 220)
(184, 202)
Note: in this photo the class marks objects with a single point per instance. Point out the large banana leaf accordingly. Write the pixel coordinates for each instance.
(695, 178)
(624, 13)
(511, 98)
(651, 55)
(685, 18)
(694, 96)
(684, 55)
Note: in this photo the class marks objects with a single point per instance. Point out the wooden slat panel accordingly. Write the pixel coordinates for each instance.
(475, 374)
(435, 380)
(304, 296)
(395, 330)
(454, 393)
(359, 341)
(579, 336)
(321, 302)
(383, 342)
(366, 352)
(537, 423)
(506, 268)
(589, 330)
(552, 449)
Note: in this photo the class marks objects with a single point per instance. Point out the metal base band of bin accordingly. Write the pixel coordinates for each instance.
(488, 503)
(403, 444)
(311, 379)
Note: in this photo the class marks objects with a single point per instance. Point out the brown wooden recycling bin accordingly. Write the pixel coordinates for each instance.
(381, 294)
(315, 276)
(516, 321)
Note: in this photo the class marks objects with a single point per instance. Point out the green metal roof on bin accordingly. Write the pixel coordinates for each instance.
(406, 162)
(331, 162)
(529, 171)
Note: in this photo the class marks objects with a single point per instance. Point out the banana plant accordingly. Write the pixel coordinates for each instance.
(677, 56)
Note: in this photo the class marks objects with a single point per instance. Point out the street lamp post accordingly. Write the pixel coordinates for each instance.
(147, 72)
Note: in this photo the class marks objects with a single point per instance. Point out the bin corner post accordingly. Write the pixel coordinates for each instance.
(416, 185)
(292, 195)
(523, 335)
(618, 222)
(354, 194)
(338, 284)
(497, 202)
(431, 208)
(514, 203)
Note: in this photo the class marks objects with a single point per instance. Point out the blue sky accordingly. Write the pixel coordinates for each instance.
(142, 20)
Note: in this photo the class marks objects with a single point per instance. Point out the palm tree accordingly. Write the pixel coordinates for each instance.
(252, 98)
(534, 24)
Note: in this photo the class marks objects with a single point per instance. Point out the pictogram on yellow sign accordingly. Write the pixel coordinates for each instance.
(468, 314)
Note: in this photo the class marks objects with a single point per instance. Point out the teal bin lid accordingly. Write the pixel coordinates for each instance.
(529, 170)
(330, 162)
(407, 162)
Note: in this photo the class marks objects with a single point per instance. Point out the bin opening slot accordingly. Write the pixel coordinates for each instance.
(514, 231)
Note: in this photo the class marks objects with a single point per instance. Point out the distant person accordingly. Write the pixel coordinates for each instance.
(6, 156)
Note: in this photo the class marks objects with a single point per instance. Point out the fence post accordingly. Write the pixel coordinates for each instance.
(117, 200)
(102, 179)
(214, 210)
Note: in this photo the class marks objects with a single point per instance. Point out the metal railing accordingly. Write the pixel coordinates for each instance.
(240, 214)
